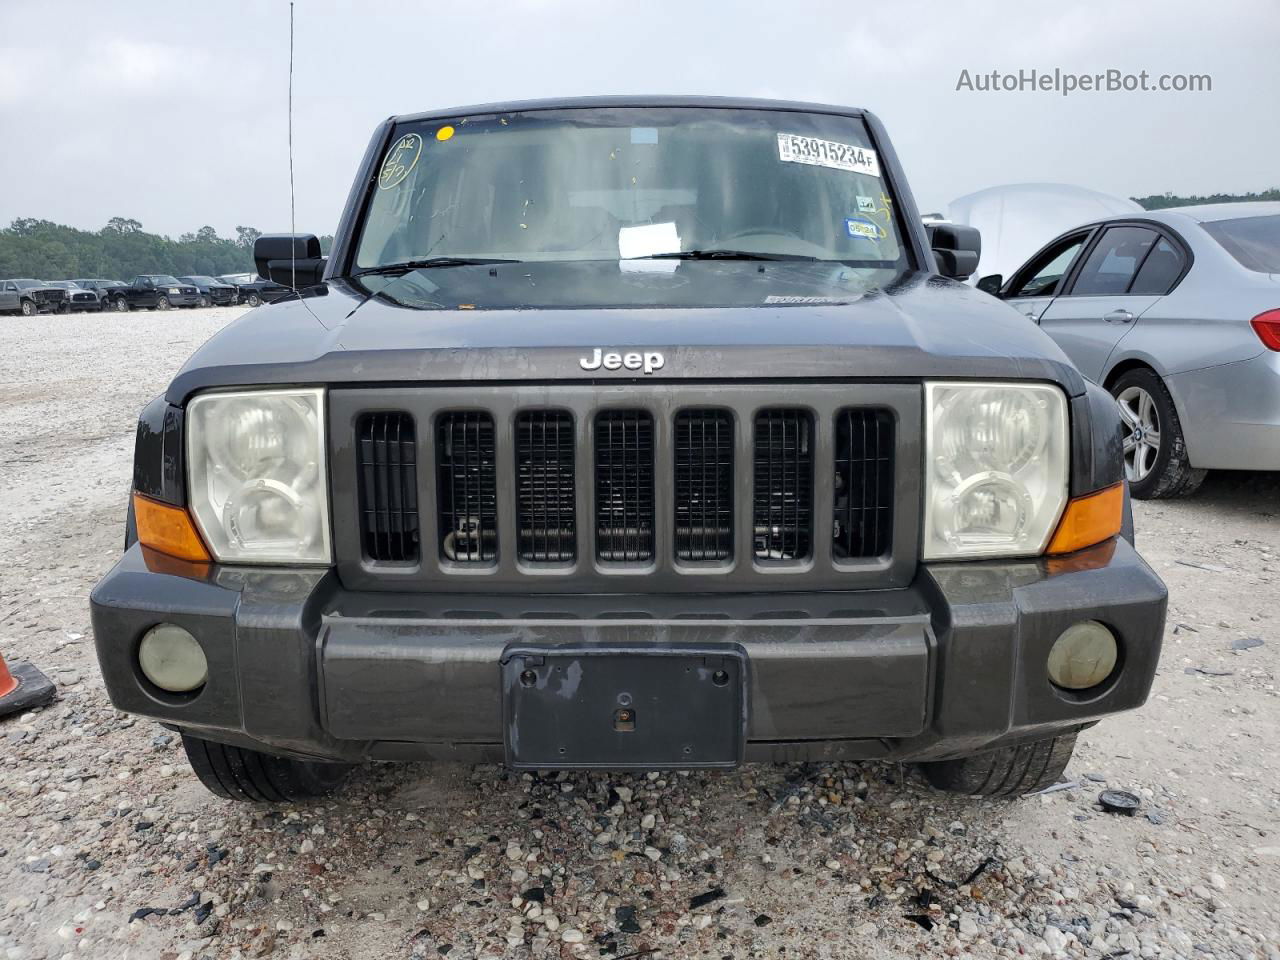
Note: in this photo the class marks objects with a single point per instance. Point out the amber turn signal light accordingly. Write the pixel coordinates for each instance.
(168, 529)
(1089, 520)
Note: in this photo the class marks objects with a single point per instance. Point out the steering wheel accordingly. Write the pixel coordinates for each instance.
(761, 232)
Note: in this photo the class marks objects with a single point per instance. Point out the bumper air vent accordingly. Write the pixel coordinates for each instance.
(703, 485)
(545, 502)
(864, 491)
(624, 486)
(388, 487)
(466, 494)
(782, 503)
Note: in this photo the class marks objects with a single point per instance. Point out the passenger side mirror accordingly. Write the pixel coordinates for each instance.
(956, 249)
(289, 259)
(991, 283)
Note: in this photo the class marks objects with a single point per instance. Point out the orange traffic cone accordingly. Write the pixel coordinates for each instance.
(22, 688)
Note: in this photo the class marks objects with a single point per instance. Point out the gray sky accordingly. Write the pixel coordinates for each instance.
(174, 113)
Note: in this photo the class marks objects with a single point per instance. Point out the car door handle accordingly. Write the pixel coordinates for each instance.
(1118, 316)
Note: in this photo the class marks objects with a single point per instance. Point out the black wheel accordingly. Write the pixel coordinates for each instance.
(120, 305)
(254, 300)
(1005, 771)
(29, 309)
(239, 774)
(162, 303)
(1155, 451)
(205, 301)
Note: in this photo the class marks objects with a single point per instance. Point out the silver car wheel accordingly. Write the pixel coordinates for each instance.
(1141, 432)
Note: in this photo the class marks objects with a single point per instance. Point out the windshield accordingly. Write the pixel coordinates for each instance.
(636, 184)
(204, 280)
(162, 279)
(1253, 241)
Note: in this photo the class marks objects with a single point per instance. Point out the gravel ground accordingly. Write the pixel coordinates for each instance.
(110, 847)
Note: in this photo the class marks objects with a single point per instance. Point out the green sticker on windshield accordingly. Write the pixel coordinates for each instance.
(401, 159)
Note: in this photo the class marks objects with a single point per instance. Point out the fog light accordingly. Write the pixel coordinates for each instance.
(171, 658)
(1083, 656)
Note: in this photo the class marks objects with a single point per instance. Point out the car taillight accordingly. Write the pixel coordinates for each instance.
(1267, 326)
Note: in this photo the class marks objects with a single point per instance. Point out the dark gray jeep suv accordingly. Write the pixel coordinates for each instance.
(628, 433)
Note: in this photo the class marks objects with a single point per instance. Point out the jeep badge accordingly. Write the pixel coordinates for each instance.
(648, 361)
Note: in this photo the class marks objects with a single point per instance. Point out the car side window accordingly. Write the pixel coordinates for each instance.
(1043, 277)
(1110, 267)
(1160, 271)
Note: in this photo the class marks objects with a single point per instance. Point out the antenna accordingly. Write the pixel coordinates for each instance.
(293, 225)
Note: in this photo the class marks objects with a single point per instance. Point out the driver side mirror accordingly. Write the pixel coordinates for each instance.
(289, 259)
(956, 249)
(991, 284)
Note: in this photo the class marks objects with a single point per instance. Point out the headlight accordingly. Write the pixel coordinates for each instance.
(175, 290)
(256, 461)
(996, 477)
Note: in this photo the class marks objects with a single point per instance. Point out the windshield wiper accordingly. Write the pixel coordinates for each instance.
(719, 254)
(430, 263)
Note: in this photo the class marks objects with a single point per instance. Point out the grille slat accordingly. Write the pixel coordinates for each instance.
(388, 487)
(782, 508)
(545, 490)
(466, 487)
(863, 483)
(624, 486)
(703, 485)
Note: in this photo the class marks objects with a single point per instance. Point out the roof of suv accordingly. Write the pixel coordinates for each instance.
(572, 103)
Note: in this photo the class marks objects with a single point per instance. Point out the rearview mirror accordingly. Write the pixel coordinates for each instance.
(289, 259)
(991, 283)
(956, 249)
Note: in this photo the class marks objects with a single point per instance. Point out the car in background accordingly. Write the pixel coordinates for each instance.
(253, 290)
(29, 297)
(213, 293)
(1176, 313)
(155, 291)
(103, 289)
(79, 300)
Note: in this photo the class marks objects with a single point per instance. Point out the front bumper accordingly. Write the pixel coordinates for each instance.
(952, 664)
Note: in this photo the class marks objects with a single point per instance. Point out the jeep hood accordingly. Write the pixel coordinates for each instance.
(344, 333)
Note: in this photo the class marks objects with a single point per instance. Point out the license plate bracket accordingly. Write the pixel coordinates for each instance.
(619, 707)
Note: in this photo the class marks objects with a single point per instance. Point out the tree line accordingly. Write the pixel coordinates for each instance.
(121, 250)
(1160, 201)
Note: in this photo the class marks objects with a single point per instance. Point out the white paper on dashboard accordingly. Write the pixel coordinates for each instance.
(648, 239)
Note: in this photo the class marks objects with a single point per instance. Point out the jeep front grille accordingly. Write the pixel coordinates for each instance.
(624, 486)
(703, 488)
(545, 486)
(466, 490)
(641, 487)
(863, 483)
(782, 504)
(388, 486)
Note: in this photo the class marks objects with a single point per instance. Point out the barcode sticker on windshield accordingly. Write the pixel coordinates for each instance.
(794, 148)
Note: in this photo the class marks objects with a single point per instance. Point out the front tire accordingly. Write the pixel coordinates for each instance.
(254, 300)
(29, 309)
(163, 303)
(206, 302)
(120, 305)
(254, 777)
(1155, 451)
(1006, 771)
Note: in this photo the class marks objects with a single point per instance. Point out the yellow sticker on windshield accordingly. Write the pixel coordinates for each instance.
(444, 133)
(401, 159)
